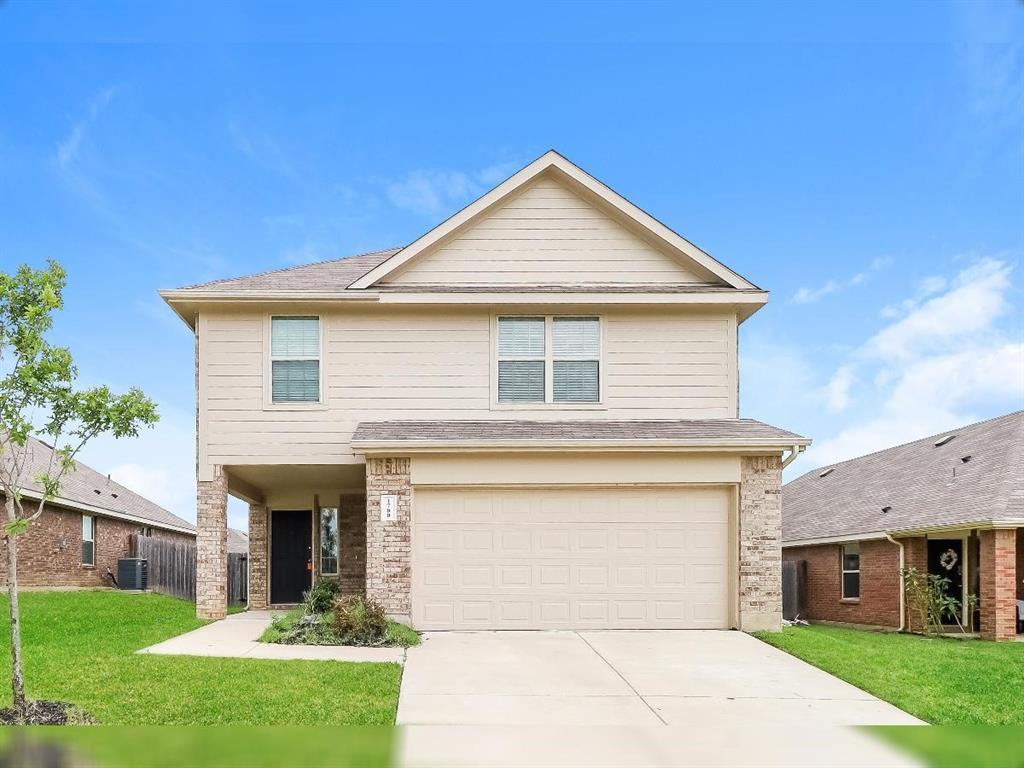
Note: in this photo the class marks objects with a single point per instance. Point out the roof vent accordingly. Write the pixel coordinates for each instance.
(966, 458)
(97, 491)
(113, 494)
(885, 509)
(827, 472)
(943, 440)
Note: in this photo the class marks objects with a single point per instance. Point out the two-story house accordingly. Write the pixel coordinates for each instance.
(525, 419)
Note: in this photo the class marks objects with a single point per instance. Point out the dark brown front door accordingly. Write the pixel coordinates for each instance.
(946, 559)
(291, 555)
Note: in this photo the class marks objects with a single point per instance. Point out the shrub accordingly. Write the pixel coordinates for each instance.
(321, 597)
(359, 621)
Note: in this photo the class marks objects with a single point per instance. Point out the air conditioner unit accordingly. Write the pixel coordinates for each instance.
(133, 573)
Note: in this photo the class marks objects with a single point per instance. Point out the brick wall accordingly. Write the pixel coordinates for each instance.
(879, 603)
(352, 554)
(258, 553)
(760, 548)
(1020, 564)
(388, 571)
(212, 546)
(997, 600)
(50, 553)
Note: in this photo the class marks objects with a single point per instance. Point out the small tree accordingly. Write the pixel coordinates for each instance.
(38, 394)
(928, 597)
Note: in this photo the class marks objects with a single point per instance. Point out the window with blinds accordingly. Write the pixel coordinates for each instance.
(549, 359)
(295, 359)
(576, 363)
(521, 359)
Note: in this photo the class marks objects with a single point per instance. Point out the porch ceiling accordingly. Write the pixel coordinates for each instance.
(255, 482)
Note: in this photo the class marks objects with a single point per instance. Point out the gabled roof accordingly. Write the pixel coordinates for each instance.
(698, 433)
(552, 161)
(87, 490)
(925, 484)
(238, 541)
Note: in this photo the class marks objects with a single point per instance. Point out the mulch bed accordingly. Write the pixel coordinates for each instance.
(47, 713)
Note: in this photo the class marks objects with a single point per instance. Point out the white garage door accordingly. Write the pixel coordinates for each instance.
(594, 558)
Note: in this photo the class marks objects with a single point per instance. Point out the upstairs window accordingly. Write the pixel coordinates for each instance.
(329, 544)
(295, 359)
(549, 360)
(851, 570)
(88, 540)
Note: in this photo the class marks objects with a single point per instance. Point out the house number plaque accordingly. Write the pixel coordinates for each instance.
(388, 508)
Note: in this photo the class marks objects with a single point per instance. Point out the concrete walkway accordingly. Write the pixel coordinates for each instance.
(236, 637)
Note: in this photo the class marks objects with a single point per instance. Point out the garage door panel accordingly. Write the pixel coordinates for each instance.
(617, 558)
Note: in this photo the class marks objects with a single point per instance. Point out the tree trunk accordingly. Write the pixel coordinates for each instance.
(17, 675)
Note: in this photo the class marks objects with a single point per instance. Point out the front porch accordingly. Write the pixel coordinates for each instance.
(306, 523)
(985, 564)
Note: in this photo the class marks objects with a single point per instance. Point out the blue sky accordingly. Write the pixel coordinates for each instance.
(864, 162)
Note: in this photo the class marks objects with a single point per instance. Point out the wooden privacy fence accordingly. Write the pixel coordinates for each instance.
(794, 589)
(172, 568)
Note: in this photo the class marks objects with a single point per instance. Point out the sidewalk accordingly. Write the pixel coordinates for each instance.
(236, 637)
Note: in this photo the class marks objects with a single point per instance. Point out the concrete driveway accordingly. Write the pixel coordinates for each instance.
(630, 699)
(623, 678)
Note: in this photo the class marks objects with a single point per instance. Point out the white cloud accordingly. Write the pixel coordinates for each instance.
(947, 362)
(806, 295)
(432, 192)
(67, 149)
(837, 391)
(977, 298)
(262, 149)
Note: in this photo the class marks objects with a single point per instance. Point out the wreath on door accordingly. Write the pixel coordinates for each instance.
(948, 559)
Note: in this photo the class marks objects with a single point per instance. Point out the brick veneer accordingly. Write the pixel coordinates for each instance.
(879, 603)
(388, 570)
(997, 600)
(50, 552)
(915, 555)
(258, 532)
(352, 548)
(760, 547)
(212, 546)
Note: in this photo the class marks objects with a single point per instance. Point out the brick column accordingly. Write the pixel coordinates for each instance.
(388, 572)
(915, 556)
(257, 556)
(212, 547)
(998, 556)
(760, 544)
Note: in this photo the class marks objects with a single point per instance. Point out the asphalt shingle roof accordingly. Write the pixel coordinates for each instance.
(686, 430)
(924, 485)
(320, 277)
(84, 485)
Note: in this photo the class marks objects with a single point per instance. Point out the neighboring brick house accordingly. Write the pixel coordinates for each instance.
(80, 536)
(525, 419)
(951, 504)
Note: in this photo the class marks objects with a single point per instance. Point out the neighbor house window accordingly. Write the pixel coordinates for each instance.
(328, 541)
(88, 540)
(851, 570)
(295, 359)
(549, 360)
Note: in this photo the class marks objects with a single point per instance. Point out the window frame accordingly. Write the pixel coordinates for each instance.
(549, 401)
(268, 371)
(91, 540)
(320, 542)
(843, 571)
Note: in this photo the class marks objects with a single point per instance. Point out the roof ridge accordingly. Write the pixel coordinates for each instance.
(943, 433)
(266, 272)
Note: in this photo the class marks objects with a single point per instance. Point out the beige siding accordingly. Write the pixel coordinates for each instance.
(547, 235)
(436, 363)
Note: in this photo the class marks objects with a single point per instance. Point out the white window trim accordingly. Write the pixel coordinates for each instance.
(843, 571)
(319, 537)
(92, 540)
(549, 367)
(268, 366)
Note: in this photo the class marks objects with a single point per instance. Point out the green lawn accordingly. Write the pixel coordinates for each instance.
(943, 681)
(79, 647)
